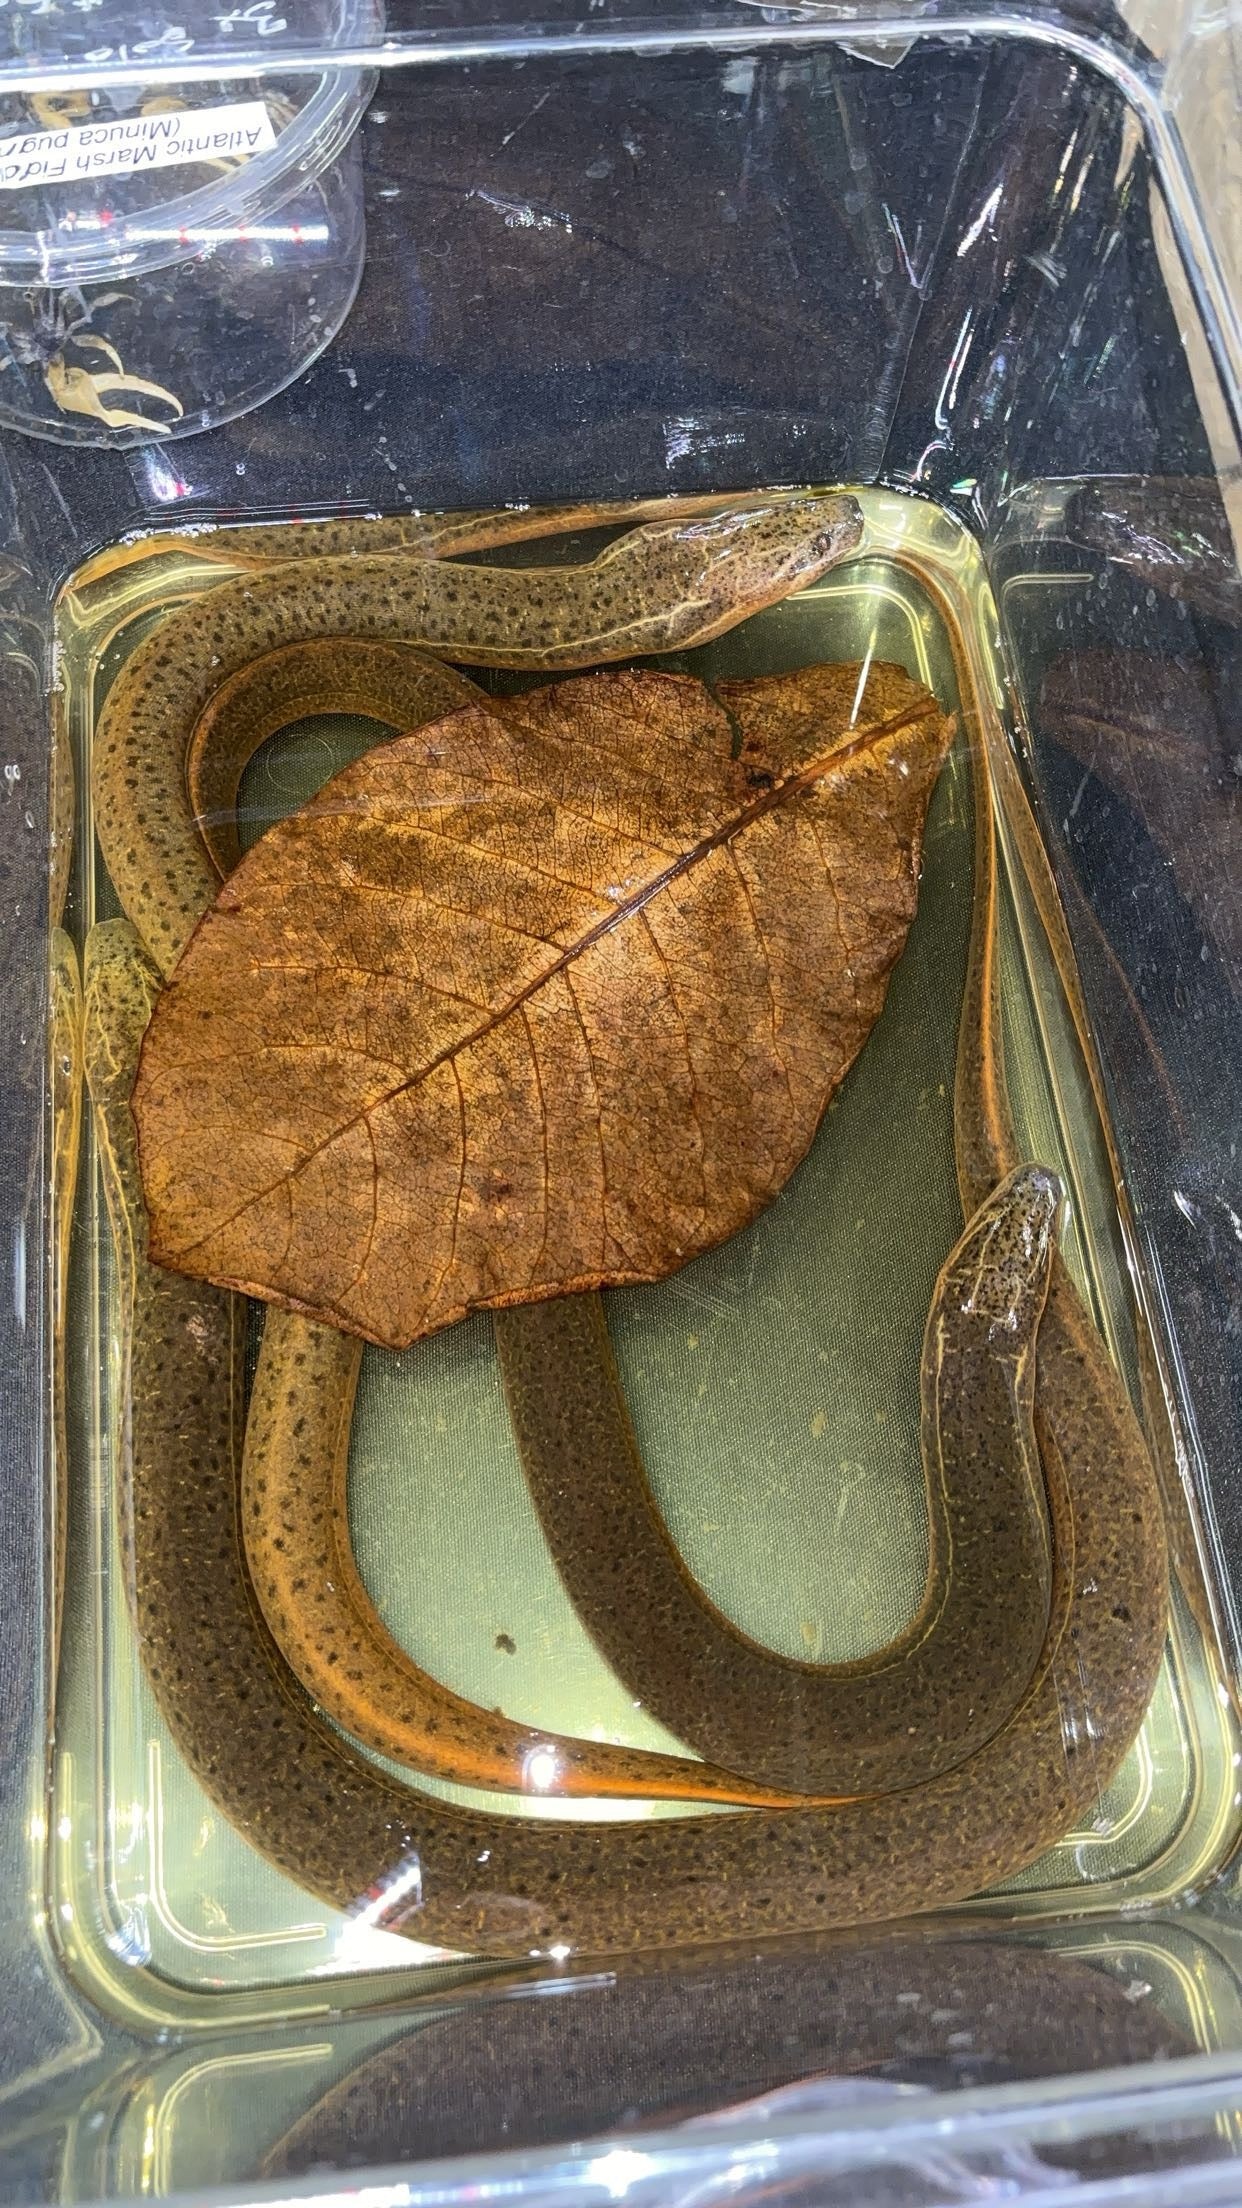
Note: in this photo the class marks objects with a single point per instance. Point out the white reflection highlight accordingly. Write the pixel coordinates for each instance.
(617, 2170)
(404, 1883)
(224, 233)
(900, 243)
(862, 682)
(359, 2196)
(952, 375)
(983, 221)
(539, 1769)
(163, 482)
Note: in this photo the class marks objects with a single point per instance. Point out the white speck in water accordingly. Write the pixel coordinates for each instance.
(12, 773)
(239, 467)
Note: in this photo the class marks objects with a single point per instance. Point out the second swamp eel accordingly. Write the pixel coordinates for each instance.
(611, 1886)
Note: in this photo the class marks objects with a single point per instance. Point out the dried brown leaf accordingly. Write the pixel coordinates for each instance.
(549, 995)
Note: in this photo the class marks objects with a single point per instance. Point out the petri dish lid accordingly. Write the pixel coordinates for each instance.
(81, 202)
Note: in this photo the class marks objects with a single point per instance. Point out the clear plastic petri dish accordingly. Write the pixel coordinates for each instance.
(171, 256)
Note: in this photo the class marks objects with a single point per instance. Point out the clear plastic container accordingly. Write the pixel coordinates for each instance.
(974, 271)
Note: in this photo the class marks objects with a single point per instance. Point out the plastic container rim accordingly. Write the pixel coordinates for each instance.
(650, 2168)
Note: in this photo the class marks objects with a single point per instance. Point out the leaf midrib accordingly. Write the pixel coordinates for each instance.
(782, 793)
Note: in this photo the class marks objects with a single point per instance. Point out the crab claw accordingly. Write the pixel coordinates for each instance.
(78, 391)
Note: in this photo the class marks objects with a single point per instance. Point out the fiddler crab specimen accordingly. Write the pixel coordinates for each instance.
(81, 369)
(60, 328)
